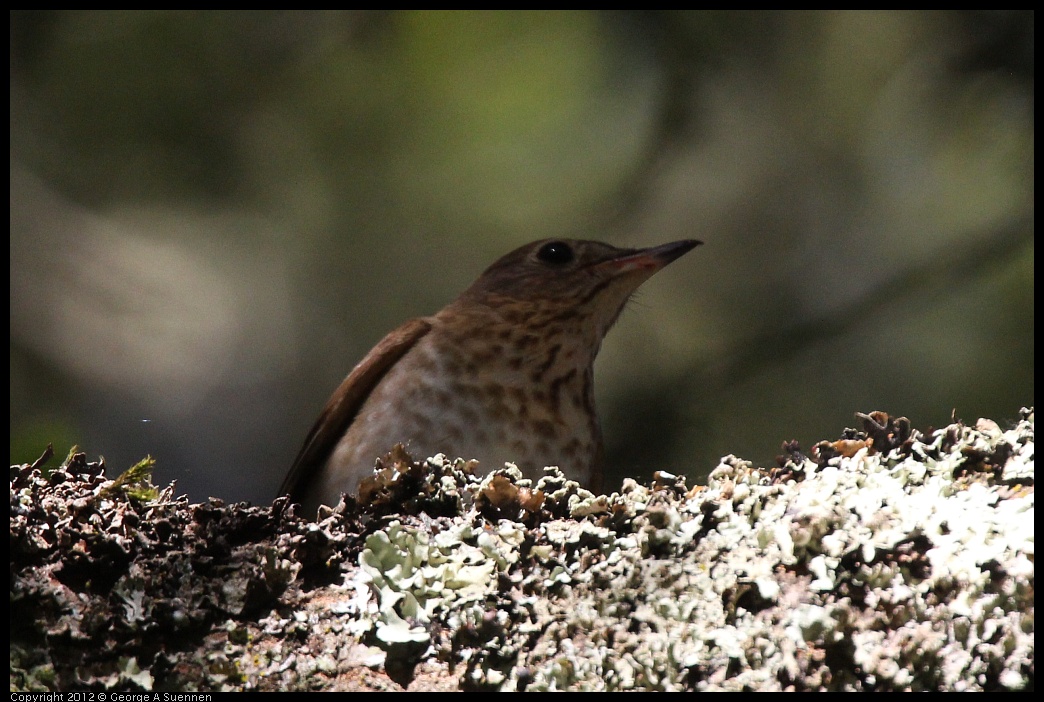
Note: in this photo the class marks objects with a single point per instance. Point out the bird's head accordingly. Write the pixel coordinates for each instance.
(558, 279)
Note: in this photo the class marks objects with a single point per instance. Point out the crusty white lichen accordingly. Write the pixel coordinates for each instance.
(874, 571)
(888, 560)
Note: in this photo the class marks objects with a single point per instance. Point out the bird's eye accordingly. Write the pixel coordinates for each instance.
(557, 253)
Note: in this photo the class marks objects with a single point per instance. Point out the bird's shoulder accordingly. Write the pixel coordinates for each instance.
(347, 399)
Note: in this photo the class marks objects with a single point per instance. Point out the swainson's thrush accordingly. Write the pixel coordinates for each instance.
(502, 373)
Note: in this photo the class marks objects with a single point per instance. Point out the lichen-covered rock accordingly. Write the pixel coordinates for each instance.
(886, 560)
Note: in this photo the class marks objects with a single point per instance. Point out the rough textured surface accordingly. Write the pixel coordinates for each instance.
(886, 560)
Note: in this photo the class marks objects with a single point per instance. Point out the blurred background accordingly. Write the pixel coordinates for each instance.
(215, 215)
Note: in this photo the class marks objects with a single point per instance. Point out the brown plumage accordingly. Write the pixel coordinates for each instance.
(502, 373)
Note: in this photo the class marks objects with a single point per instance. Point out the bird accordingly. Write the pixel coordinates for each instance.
(503, 373)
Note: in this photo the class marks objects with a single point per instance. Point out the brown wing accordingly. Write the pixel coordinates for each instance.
(344, 404)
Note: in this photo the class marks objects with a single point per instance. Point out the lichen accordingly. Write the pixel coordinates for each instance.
(886, 560)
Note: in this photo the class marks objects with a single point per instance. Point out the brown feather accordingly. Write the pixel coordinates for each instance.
(344, 404)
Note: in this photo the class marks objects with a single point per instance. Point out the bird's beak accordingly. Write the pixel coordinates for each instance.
(651, 259)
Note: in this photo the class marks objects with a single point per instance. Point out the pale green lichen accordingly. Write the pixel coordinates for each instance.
(869, 508)
(889, 566)
(414, 576)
